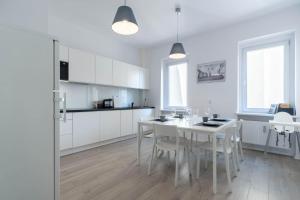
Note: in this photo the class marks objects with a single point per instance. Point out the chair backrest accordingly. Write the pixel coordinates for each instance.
(283, 117)
(229, 134)
(165, 131)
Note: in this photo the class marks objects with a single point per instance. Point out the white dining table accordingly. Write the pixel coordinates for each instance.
(296, 126)
(188, 125)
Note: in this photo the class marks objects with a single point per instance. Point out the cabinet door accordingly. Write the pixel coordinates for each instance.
(104, 70)
(110, 124)
(133, 76)
(126, 122)
(66, 142)
(120, 73)
(81, 66)
(63, 53)
(85, 128)
(144, 79)
(137, 115)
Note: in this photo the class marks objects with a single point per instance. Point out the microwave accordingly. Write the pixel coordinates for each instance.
(108, 103)
(64, 71)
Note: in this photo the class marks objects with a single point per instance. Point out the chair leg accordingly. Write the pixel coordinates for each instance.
(198, 166)
(240, 145)
(206, 158)
(234, 164)
(168, 154)
(227, 170)
(152, 155)
(298, 139)
(189, 163)
(268, 141)
(176, 169)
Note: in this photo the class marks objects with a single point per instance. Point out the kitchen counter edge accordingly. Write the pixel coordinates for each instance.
(106, 109)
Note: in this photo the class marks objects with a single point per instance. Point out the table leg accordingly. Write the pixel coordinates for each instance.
(214, 143)
(139, 145)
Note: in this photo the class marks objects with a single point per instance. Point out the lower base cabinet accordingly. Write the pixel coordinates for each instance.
(109, 125)
(126, 122)
(137, 115)
(85, 128)
(66, 142)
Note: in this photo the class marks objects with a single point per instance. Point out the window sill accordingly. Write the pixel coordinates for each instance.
(259, 114)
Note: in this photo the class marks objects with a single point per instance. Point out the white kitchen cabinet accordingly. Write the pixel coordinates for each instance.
(139, 114)
(133, 76)
(66, 142)
(104, 70)
(120, 73)
(110, 124)
(126, 122)
(144, 79)
(86, 128)
(63, 53)
(81, 66)
(66, 127)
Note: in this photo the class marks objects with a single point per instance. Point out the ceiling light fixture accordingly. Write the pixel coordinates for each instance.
(177, 51)
(124, 22)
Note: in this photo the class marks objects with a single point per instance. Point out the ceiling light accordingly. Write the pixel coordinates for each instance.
(124, 22)
(177, 51)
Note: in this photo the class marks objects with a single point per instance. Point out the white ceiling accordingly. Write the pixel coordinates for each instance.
(157, 19)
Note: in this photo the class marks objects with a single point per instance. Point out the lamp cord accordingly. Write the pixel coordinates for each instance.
(125, 2)
(177, 25)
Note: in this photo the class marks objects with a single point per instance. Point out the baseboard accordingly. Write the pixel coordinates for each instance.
(281, 151)
(94, 145)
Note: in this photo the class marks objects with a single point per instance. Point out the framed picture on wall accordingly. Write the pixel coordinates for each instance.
(211, 72)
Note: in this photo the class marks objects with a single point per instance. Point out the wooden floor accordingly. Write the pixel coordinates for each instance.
(110, 172)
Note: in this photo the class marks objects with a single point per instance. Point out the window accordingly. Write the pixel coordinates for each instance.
(266, 74)
(174, 92)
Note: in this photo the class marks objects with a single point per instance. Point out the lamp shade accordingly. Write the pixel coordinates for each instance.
(177, 51)
(124, 22)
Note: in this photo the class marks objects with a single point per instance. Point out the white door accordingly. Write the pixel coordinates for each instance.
(133, 76)
(85, 128)
(27, 144)
(126, 122)
(104, 70)
(81, 66)
(110, 124)
(120, 73)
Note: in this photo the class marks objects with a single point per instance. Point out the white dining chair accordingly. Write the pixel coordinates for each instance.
(167, 138)
(237, 141)
(225, 146)
(281, 117)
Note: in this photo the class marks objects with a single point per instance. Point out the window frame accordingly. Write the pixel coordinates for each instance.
(266, 42)
(165, 80)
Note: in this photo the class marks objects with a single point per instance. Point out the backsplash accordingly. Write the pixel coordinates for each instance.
(83, 95)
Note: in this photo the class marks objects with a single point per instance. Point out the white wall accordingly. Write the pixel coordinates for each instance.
(78, 37)
(222, 44)
(28, 14)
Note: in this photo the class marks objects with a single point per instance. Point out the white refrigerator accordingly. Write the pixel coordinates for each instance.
(29, 116)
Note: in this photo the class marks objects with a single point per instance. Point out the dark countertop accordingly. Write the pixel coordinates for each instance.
(106, 109)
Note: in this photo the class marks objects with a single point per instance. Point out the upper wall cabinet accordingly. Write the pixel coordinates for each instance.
(133, 76)
(63, 53)
(104, 70)
(81, 66)
(144, 78)
(86, 67)
(120, 73)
